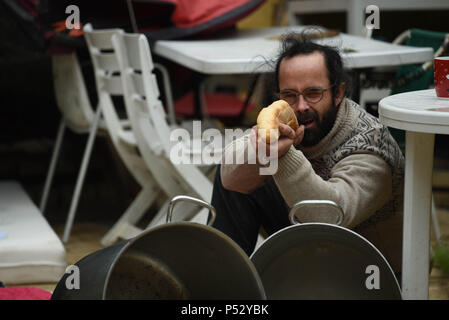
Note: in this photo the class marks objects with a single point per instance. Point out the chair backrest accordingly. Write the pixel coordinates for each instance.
(416, 77)
(141, 92)
(107, 74)
(149, 119)
(423, 78)
(71, 93)
(109, 83)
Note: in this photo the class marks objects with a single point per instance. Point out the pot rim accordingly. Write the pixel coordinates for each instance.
(279, 233)
(215, 232)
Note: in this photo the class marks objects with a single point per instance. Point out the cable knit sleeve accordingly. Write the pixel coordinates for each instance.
(239, 170)
(360, 183)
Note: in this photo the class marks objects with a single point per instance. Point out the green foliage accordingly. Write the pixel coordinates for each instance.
(441, 257)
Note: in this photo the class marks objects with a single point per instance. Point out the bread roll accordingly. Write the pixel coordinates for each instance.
(270, 117)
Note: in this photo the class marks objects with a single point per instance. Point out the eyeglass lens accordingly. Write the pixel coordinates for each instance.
(311, 95)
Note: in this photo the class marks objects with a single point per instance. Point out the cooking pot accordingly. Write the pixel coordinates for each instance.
(177, 260)
(322, 261)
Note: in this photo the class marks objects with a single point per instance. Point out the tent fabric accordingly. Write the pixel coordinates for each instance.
(189, 13)
(38, 26)
(20, 33)
(191, 17)
(157, 19)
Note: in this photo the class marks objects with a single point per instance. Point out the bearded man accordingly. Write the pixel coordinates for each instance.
(339, 153)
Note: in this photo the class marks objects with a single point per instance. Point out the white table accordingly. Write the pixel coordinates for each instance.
(422, 115)
(355, 9)
(247, 51)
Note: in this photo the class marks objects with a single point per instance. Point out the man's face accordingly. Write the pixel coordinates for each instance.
(305, 72)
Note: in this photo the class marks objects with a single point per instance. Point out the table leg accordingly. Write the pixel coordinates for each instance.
(355, 16)
(248, 98)
(417, 206)
(197, 98)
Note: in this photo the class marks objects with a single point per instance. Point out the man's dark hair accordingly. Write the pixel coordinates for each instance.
(294, 44)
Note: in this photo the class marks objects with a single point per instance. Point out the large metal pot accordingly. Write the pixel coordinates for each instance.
(177, 260)
(323, 261)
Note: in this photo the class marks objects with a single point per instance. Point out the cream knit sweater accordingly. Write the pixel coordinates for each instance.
(357, 165)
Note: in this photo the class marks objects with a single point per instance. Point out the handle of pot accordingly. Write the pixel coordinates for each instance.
(199, 202)
(315, 203)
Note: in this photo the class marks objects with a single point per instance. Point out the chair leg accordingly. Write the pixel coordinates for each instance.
(51, 170)
(125, 226)
(160, 216)
(200, 217)
(81, 175)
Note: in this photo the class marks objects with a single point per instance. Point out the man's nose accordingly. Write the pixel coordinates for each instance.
(301, 105)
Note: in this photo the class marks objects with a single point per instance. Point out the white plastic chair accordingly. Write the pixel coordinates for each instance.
(151, 128)
(73, 102)
(108, 83)
(78, 115)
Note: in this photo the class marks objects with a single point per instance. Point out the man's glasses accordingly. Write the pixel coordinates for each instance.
(311, 95)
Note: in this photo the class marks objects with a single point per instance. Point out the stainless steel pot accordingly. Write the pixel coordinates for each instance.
(178, 260)
(323, 261)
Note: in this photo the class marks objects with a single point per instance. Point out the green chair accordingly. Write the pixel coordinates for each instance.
(419, 77)
(416, 76)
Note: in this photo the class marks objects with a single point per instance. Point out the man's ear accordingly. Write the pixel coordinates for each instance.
(340, 93)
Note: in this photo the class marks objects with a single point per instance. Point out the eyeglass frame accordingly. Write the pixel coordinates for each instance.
(301, 93)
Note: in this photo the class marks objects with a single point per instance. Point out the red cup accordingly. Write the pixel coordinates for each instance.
(441, 77)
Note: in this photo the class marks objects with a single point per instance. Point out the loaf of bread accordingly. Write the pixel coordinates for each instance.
(270, 117)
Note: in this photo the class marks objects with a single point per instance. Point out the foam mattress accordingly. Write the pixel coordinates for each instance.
(30, 251)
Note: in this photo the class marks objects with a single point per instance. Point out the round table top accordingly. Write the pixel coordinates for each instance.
(418, 111)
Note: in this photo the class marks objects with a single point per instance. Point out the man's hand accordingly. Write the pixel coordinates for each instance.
(288, 137)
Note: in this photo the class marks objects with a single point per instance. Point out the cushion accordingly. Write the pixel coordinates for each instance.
(218, 105)
(24, 293)
(30, 251)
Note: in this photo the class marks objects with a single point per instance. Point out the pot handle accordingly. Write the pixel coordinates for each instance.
(315, 203)
(192, 200)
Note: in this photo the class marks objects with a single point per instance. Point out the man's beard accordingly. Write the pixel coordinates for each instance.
(320, 128)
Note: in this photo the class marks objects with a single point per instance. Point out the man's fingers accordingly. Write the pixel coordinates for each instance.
(286, 130)
(299, 135)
